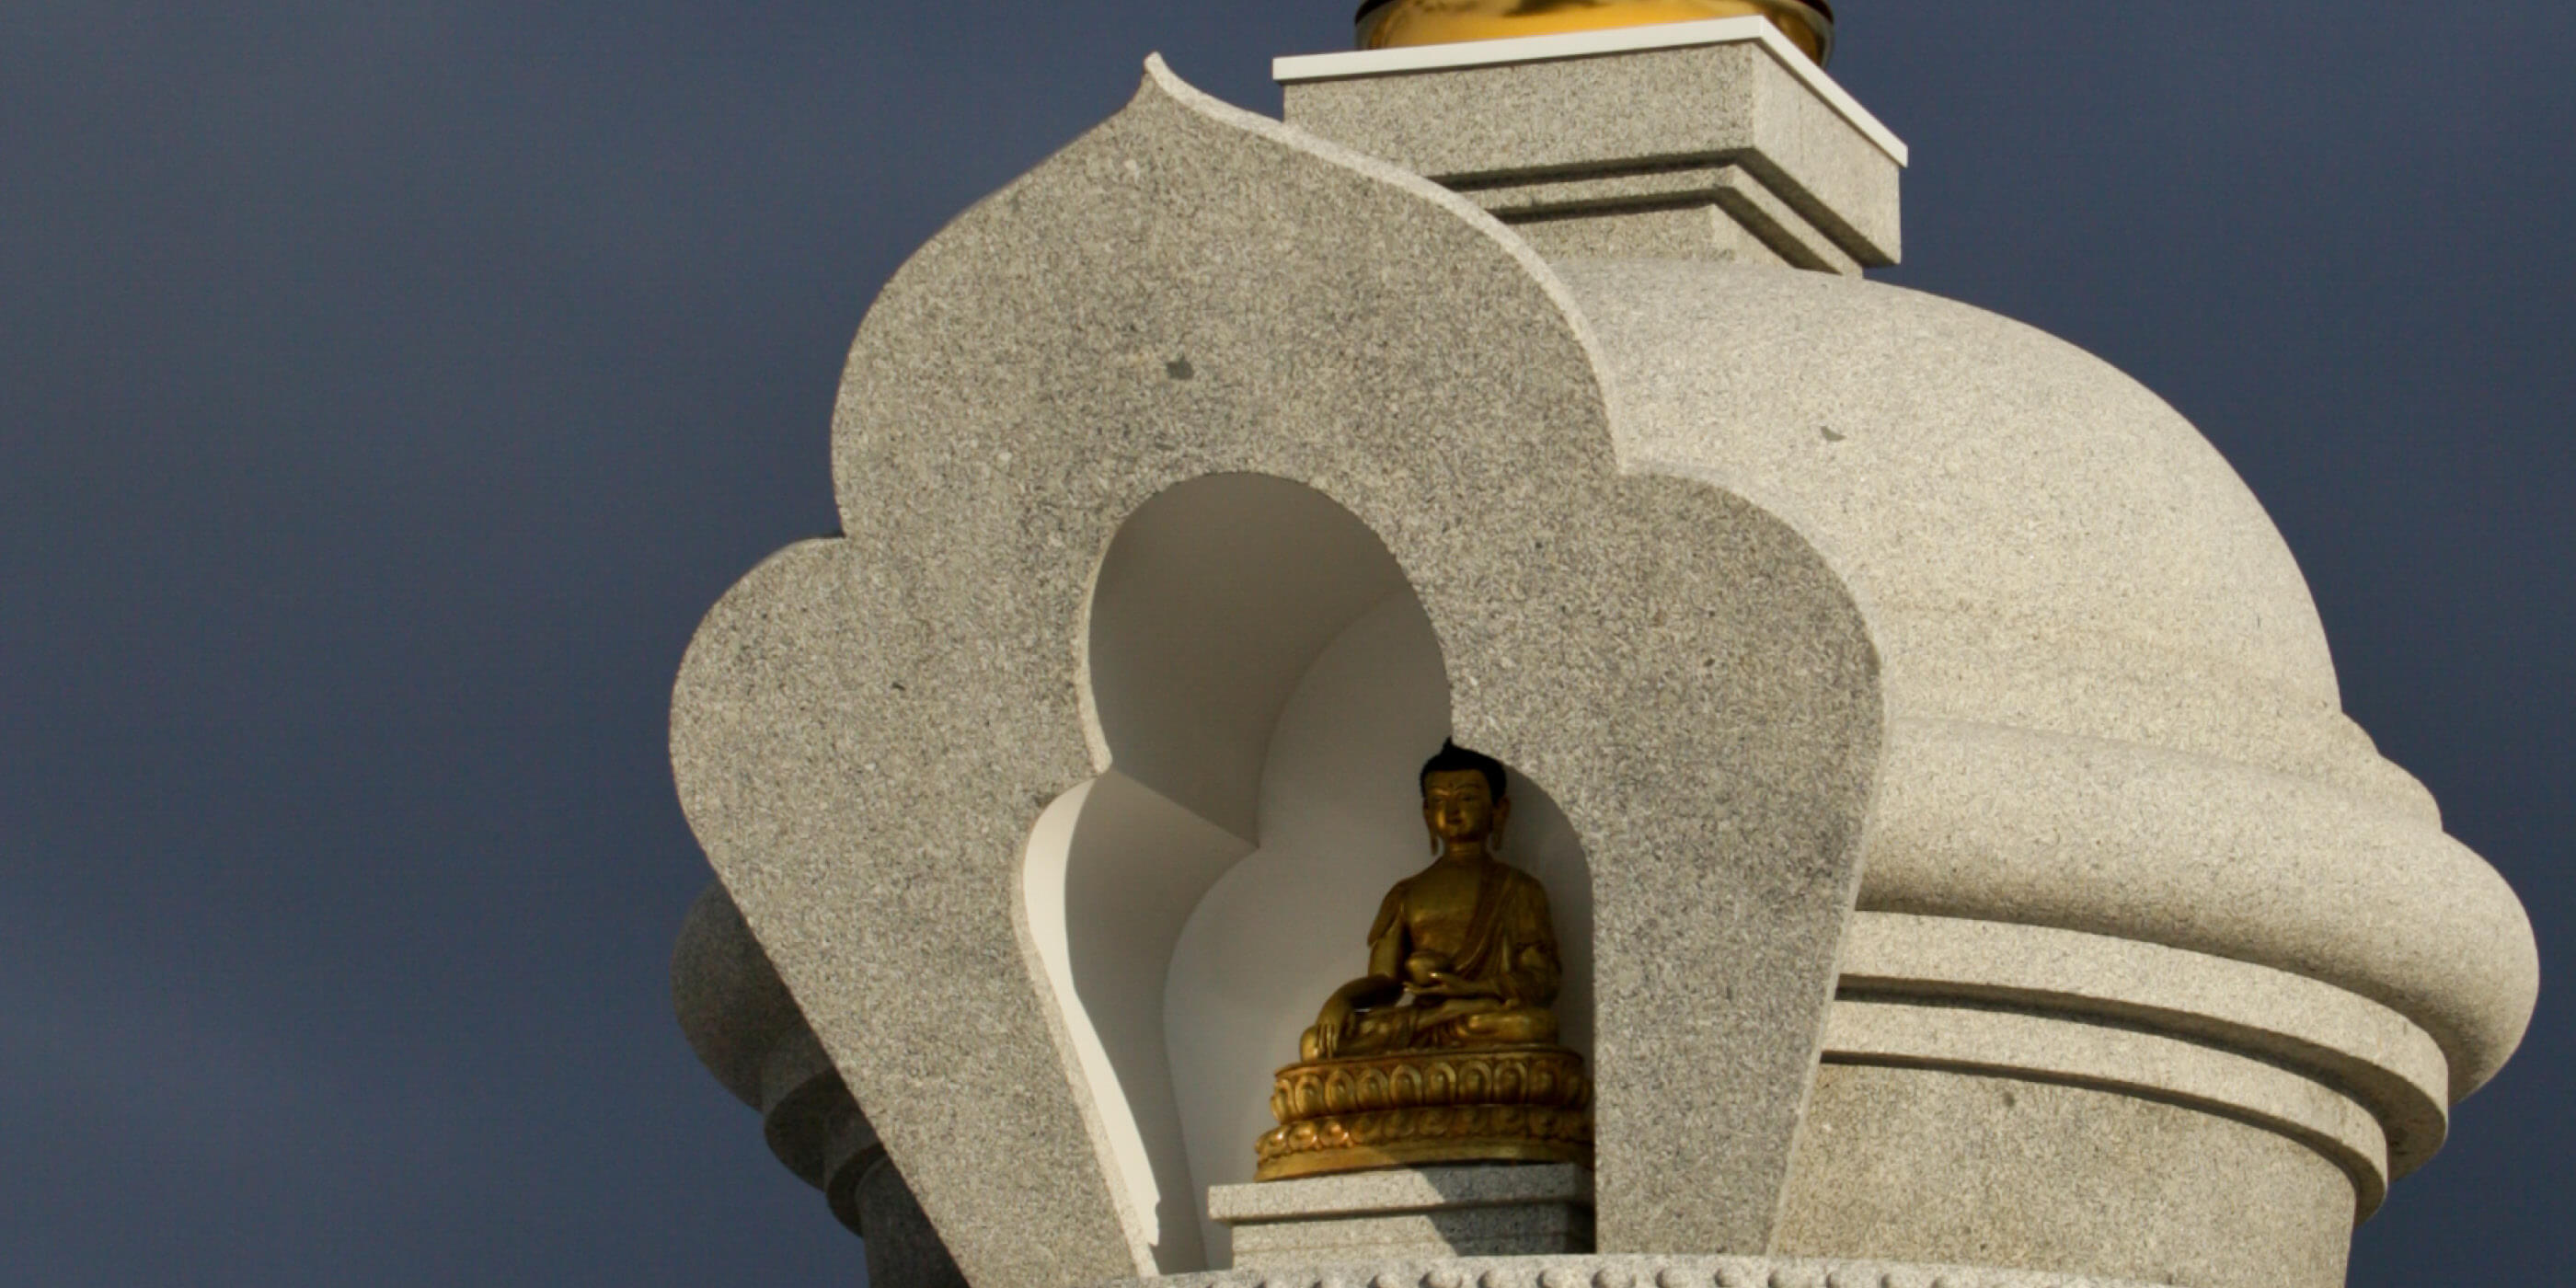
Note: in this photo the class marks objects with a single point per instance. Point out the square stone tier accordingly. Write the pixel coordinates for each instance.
(1687, 140)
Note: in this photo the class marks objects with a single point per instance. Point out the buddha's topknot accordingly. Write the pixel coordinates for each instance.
(1452, 758)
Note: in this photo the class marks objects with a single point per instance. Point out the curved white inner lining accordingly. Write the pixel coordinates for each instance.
(1267, 686)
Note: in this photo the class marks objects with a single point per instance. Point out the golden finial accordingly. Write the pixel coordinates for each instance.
(1384, 24)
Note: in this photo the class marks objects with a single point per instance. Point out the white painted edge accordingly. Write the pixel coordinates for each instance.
(1303, 68)
(1106, 1111)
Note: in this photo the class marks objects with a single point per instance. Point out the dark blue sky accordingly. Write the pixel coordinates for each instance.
(388, 387)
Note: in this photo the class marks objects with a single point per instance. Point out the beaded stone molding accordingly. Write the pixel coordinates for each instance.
(1629, 1272)
(1510, 1104)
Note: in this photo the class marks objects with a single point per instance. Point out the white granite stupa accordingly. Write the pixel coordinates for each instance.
(1965, 869)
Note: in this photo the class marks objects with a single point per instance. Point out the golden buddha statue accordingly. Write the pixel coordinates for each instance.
(1445, 1051)
(1385, 24)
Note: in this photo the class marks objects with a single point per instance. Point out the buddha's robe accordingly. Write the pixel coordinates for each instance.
(1506, 953)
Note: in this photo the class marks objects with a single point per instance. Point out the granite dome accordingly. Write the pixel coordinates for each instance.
(2057, 567)
(2020, 517)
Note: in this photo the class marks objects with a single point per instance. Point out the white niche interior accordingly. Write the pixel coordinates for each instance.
(1263, 687)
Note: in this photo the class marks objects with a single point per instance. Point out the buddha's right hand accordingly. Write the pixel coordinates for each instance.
(1423, 970)
(1331, 1026)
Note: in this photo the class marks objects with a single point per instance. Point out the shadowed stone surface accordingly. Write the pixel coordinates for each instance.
(1925, 1165)
(745, 1027)
(1409, 1214)
(1402, 1189)
(866, 729)
(904, 1251)
(729, 1001)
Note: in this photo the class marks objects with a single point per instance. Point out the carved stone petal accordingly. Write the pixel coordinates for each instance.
(866, 728)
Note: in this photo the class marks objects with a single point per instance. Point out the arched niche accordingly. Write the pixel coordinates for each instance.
(1262, 685)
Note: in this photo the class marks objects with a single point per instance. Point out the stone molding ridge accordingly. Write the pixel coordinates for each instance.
(2132, 1061)
(1627, 1271)
(1302, 68)
(1767, 209)
(2001, 824)
(2290, 1026)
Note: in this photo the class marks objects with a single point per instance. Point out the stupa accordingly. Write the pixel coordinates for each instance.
(1935, 850)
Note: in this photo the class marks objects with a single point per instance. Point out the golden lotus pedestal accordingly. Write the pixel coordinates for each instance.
(1417, 1108)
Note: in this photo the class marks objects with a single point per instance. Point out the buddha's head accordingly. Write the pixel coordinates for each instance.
(1464, 799)
(1385, 24)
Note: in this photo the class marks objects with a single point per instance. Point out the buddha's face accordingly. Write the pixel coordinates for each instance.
(1460, 808)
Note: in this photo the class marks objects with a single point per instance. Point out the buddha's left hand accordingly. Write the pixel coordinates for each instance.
(1451, 984)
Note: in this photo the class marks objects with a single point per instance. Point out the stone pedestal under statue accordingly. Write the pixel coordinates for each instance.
(1409, 1214)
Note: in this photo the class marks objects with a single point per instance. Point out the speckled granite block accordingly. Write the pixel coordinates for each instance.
(745, 1027)
(1914, 1164)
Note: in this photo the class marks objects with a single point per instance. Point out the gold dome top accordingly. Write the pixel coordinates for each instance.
(1385, 24)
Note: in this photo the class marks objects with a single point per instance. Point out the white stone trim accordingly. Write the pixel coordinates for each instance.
(1594, 44)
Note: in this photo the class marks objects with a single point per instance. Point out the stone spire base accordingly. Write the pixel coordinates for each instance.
(1687, 140)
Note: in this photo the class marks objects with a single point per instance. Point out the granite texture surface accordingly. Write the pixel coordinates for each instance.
(2131, 841)
(2298, 1025)
(730, 1003)
(2111, 1057)
(740, 1019)
(1715, 211)
(1641, 113)
(802, 1102)
(2111, 704)
(2049, 545)
(1938, 1166)
(865, 729)
(904, 1250)
(1697, 230)
(1628, 1271)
